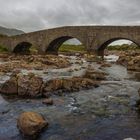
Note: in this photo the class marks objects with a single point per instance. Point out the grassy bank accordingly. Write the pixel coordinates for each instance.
(3, 49)
(123, 47)
(71, 48)
(81, 48)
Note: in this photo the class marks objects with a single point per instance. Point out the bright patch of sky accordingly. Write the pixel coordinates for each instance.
(118, 42)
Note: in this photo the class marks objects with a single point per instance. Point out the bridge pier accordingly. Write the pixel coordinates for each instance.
(100, 53)
(97, 53)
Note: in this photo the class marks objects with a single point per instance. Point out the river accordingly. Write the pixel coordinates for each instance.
(104, 113)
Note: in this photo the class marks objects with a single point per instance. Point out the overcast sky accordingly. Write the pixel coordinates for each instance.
(32, 15)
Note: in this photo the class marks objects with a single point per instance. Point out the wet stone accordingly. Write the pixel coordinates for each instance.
(48, 101)
(31, 124)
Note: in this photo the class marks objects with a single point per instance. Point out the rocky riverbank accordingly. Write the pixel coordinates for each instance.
(131, 60)
(32, 85)
(10, 63)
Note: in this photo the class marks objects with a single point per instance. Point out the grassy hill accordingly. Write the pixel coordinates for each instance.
(10, 32)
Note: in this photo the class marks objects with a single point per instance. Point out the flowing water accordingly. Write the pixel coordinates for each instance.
(104, 113)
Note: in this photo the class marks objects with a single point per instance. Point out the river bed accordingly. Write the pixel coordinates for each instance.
(104, 113)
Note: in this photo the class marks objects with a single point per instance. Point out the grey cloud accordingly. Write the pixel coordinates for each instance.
(31, 15)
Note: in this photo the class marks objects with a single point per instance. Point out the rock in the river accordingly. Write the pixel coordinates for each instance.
(31, 124)
(23, 85)
(131, 60)
(10, 87)
(68, 85)
(2, 55)
(91, 57)
(29, 62)
(48, 101)
(134, 64)
(105, 64)
(95, 75)
(29, 85)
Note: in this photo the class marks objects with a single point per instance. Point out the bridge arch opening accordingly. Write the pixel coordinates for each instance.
(117, 44)
(23, 48)
(65, 44)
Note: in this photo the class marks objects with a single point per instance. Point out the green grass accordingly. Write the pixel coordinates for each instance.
(3, 49)
(33, 50)
(72, 48)
(81, 48)
(123, 47)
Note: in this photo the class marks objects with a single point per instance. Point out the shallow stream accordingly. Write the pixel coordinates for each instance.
(104, 113)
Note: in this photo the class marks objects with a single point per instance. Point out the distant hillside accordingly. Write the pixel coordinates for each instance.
(10, 32)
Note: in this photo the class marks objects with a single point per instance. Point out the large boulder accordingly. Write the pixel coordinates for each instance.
(134, 64)
(10, 87)
(29, 85)
(131, 60)
(57, 61)
(68, 85)
(53, 85)
(31, 124)
(23, 86)
(48, 101)
(95, 74)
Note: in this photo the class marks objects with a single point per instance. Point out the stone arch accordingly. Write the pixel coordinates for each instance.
(22, 48)
(102, 47)
(55, 44)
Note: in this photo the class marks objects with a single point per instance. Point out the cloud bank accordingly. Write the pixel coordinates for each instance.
(32, 15)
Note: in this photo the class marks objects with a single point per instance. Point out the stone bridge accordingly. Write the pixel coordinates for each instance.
(94, 38)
